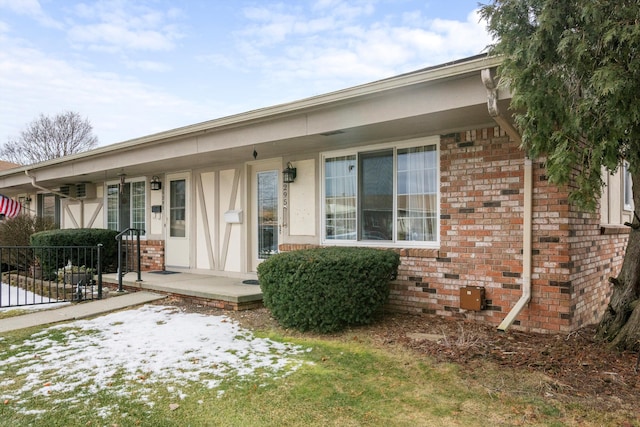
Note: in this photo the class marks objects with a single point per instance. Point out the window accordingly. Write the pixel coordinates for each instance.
(382, 196)
(627, 187)
(126, 208)
(267, 213)
(49, 208)
(177, 207)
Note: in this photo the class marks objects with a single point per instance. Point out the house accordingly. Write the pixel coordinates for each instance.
(425, 163)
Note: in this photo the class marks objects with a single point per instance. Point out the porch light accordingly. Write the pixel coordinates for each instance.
(155, 183)
(289, 174)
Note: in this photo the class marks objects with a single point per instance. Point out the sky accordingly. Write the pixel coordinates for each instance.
(138, 67)
(86, 357)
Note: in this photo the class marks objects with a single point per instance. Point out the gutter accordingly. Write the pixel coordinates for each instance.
(57, 193)
(488, 78)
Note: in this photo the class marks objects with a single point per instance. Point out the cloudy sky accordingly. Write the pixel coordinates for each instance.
(134, 68)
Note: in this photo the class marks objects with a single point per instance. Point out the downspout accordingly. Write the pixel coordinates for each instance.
(492, 104)
(57, 193)
(526, 247)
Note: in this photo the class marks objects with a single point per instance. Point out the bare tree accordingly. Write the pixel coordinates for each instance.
(48, 138)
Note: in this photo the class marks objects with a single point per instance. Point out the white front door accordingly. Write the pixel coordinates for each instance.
(265, 207)
(177, 244)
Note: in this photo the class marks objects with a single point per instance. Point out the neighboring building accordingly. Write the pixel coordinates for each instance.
(7, 165)
(425, 163)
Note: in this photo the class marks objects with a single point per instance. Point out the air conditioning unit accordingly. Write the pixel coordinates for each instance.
(86, 190)
(68, 190)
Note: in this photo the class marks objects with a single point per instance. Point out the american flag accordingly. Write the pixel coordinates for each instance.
(8, 207)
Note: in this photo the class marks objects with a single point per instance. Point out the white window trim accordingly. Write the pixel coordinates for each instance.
(626, 175)
(146, 200)
(396, 145)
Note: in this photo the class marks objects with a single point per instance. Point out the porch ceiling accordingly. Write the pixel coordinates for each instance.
(169, 157)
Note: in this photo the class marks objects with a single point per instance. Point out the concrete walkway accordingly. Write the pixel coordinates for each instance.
(78, 311)
(233, 290)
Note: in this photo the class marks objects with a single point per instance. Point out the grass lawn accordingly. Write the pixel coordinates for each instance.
(340, 381)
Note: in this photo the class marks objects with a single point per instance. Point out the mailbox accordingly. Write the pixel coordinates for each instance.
(233, 217)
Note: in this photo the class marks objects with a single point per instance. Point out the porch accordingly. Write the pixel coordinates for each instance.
(229, 293)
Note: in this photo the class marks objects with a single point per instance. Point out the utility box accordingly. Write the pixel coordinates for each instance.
(472, 298)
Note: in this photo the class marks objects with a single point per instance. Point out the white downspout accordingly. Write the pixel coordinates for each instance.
(492, 104)
(526, 247)
(57, 193)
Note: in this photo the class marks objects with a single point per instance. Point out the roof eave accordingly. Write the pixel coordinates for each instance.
(445, 71)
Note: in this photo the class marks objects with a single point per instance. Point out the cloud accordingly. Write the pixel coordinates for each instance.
(336, 41)
(152, 66)
(278, 53)
(32, 9)
(119, 107)
(115, 26)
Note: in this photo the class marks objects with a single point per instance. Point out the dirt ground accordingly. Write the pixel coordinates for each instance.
(575, 365)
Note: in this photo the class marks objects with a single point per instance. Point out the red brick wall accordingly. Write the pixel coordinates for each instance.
(481, 243)
(596, 254)
(152, 255)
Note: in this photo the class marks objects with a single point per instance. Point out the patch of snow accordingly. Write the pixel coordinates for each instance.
(128, 352)
(12, 298)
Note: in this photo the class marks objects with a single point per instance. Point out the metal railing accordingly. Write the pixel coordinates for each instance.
(49, 274)
(128, 254)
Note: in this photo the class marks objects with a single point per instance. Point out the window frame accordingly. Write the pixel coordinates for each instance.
(40, 197)
(395, 146)
(131, 181)
(627, 192)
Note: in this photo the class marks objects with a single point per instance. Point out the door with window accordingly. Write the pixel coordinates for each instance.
(265, 208)
(177, 241)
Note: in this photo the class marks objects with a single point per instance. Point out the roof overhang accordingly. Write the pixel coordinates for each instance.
(432, 101)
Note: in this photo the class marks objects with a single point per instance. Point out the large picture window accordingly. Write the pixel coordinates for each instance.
(126, 207)
(382, 195)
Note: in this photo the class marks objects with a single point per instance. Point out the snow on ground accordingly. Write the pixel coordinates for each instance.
(15, 298)
(130, 352)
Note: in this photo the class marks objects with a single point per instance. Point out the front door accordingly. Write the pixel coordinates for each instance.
(177, 243)
(265, 206)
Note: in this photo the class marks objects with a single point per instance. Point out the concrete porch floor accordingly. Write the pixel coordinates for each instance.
(218, 291)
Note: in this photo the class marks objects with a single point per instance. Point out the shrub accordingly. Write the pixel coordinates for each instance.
(326, 289)
(76, 237)
(16, 232)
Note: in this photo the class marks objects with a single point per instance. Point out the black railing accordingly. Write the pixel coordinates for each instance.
(49, 274)
(128, 254)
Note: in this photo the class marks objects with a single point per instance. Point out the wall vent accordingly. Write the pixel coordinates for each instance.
(68, 190)
(85, 190)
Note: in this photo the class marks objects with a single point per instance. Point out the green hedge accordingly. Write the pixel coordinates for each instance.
(326, 289)
(76, 237)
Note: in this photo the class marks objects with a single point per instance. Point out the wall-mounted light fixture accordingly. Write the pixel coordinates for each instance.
(155, 183)
(289, 174)
(123, 177)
